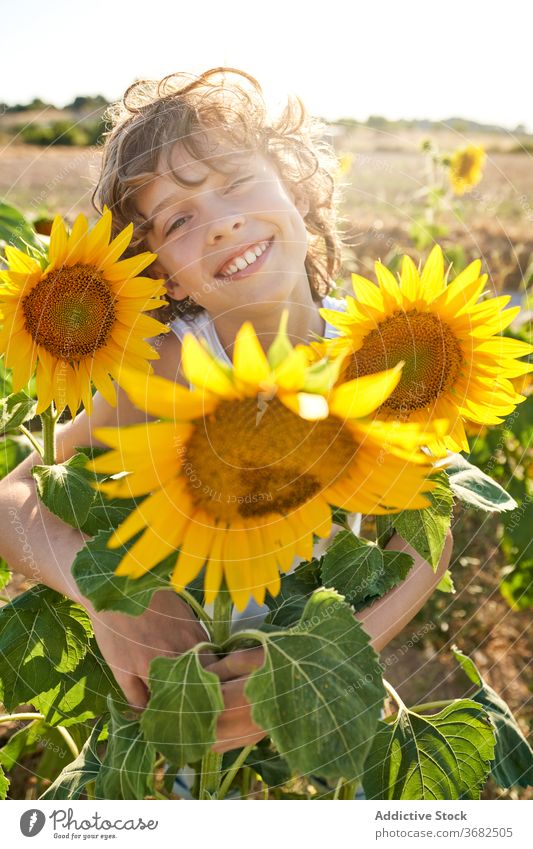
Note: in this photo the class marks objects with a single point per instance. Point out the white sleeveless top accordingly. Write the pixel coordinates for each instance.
(203, 326)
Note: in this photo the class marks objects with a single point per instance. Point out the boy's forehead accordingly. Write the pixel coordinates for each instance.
(193, 168)
(190, 171)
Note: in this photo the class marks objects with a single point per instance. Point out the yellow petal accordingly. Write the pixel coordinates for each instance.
(360, 397)
(203, 370)
(76, 244)
(58, 243)
(432, 277)
(249, 360)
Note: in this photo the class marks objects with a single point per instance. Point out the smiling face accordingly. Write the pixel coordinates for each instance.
(231, 237)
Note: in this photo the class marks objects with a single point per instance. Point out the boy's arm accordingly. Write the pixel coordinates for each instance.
(382, 621)
(40, 546)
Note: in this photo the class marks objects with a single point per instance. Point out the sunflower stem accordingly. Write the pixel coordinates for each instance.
(385, 530)
(30, 437)
(212, 762)
(48, 420)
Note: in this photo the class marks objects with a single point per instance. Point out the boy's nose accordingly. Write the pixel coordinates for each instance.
(223, 227)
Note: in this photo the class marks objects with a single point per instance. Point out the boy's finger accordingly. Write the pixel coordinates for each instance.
(238, 663)
(235, 726)
(135, 690)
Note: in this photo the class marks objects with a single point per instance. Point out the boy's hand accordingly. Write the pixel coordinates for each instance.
(236, 727)
(129, 643)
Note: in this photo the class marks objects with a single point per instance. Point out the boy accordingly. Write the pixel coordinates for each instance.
(241, 214)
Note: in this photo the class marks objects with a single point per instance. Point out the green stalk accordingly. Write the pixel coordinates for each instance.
(48, 420)
(233, 770)
(212, 761)
(33, 717)
(30, 437)
(199, 610)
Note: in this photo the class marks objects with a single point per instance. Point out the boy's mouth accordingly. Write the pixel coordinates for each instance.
(247, 262)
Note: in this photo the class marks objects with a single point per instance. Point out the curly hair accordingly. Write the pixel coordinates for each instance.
(154, 115)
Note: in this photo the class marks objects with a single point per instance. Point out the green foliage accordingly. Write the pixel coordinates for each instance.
(181, 716)
(16, 231)
(65, 488)
(361, 570)
(4, 784)
(319, 693)
(80, 772)
(50, 660)
(127, 770)
(474, 488)
(287, 607)
(13, 450)
(15, 410)
(5, 574)
(443, 756)
(513, 756)
(63, 132)
(94, 572)
(426, 529)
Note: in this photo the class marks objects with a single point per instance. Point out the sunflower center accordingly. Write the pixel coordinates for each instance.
(251, 458)
(464, 165)
(430, 351)
(70, 312)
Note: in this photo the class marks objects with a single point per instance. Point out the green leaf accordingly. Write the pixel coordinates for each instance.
(15, 410)
(127, 771)
(517, 585)
(12, 452)
(426, 529)
(181, 716)
(319, 693)
(361, 570)
(443, 756)
(16, 231)
(65, 488)
(4, 784)
(24, 740)
(80, 695)
(296, 588)
(94, 572)
(41, 634)
(71, 781)
(106, 513)
(475, 488)
(446, 584)
(50, 660)
(5, 574)
(513, 756)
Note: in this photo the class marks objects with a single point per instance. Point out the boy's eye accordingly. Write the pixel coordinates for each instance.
(240, 182)
(175, 225)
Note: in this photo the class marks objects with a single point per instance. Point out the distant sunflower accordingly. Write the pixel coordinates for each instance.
(81, 317)
(455, 366)
(466, 168)
(245, 470)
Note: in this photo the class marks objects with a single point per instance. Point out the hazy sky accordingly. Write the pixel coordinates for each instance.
(399, 59)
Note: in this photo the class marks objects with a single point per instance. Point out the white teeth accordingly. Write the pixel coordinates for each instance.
(239, 263)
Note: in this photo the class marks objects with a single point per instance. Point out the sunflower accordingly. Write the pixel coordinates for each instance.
(78, 318)
(455, 366)
(466, 168)
(244, 468)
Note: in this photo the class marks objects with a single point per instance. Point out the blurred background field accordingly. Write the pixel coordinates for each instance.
(385, 177)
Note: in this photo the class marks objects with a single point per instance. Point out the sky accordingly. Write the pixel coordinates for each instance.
(410, 59)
